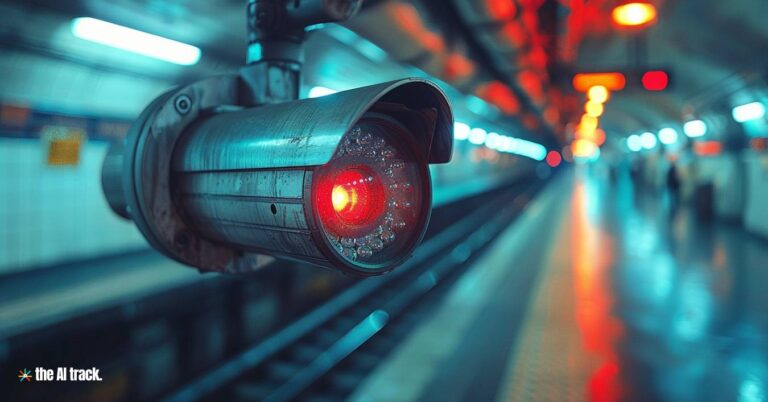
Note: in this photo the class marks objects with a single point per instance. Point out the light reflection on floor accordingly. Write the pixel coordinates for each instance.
(675, 307)
(592, 250)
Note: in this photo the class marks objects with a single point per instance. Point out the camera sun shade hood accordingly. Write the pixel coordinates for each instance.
(137, 174)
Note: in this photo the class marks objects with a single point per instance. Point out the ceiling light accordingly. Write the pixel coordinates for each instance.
(124, 38)
(750, 111)
(668, 136)
(648, 140)
(634, 14)
(695, 128)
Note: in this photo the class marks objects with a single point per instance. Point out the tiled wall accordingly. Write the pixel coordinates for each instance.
(51, 214)
(756, 211)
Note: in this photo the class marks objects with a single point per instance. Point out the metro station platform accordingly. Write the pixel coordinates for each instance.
(599, 292)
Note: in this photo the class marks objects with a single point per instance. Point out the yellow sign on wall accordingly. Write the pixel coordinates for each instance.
(63, 144)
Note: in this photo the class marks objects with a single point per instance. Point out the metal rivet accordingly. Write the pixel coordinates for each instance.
(183, 104)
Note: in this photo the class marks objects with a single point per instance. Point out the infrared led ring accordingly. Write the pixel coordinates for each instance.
(371, 198)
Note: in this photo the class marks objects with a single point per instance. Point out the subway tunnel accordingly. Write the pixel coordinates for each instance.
(383, 200)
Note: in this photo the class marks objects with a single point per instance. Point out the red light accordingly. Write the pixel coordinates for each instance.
(458, 67)
(554, 159)
(655, 80)
(501, 9)
(707, 148)
(501, 96)
(350, 199)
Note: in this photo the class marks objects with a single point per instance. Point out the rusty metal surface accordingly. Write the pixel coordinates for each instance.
(147, 177)
(258, 210)
(307, 132)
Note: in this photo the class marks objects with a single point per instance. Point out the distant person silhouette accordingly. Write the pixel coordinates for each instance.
(673, 186)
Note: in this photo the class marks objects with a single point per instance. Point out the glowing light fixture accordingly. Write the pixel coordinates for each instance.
(317, 92)
(587, 125)
(554, 159)
(477, 136)
(612, 81)
(493, 141)
(461, 131)
(648, 140)
(668, 136)
(594, 109)
(531, 150)
(600, 137)
(598, 93)
(750, 111)
(124, 38)
(498, 142)
(655, 80)
(634, 14)
(707, 148)
(508, 144)
(585, 150)
(695, 128)
(634, 143)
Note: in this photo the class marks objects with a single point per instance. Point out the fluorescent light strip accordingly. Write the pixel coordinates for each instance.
(461, 131)
(750, 111)
(477, 136)
(117, 36)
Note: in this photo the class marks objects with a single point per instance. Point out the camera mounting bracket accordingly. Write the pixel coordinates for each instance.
(276, 33)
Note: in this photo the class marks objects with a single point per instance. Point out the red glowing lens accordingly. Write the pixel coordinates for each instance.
(350, 199)
(655, 80)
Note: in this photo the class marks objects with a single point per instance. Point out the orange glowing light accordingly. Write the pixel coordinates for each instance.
(582, 82)
(598, 94)
(341, 198)
(594, 109)
(600, 136)
(759, 144)
(587, 124)
(583, 148)
(501, 9)
(634, 14)
(707, 148)
(500, 95)
(458, 67)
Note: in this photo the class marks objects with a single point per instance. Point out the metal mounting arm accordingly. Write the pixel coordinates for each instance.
(276, 30)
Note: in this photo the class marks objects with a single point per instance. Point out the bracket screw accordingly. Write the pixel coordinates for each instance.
(183, 104)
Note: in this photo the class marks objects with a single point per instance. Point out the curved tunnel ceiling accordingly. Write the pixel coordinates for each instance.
(712, 48)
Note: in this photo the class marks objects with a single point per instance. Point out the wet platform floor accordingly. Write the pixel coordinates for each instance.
(600, 291)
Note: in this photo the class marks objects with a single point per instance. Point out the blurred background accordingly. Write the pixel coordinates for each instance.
(600, 233)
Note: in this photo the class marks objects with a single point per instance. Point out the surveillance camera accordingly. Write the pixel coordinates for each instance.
(340, 181)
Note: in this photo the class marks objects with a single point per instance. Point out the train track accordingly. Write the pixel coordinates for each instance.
(324, 354)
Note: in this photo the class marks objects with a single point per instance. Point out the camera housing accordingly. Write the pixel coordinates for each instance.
(340, 181)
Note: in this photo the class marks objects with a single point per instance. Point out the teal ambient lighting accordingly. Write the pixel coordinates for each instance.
(107, 33)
